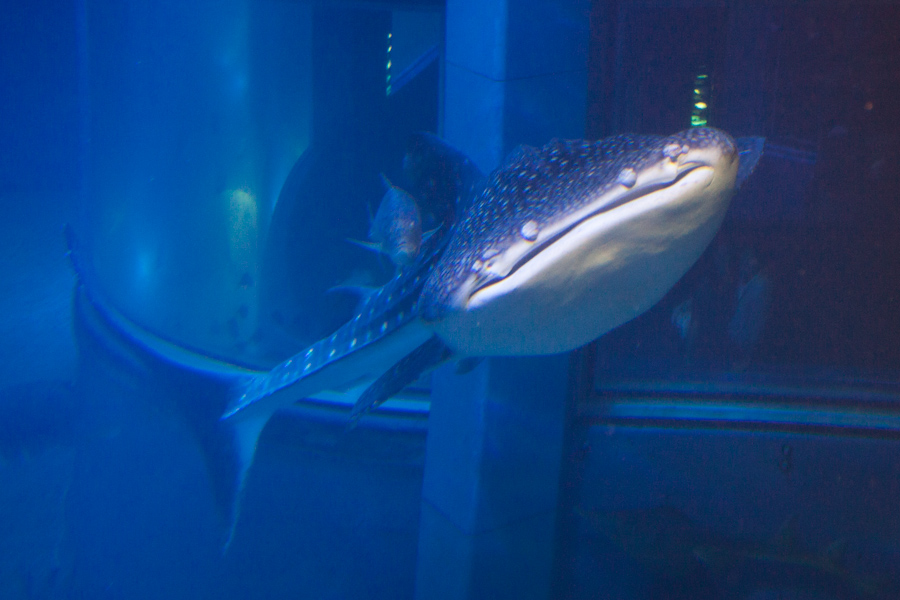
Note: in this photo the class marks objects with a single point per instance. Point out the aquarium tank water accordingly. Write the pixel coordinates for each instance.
(450, 299)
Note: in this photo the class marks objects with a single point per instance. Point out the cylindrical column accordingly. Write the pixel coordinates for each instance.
(197, 111)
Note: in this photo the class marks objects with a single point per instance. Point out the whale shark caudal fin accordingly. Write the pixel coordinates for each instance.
(197, 387)
(244, 435)
(228, 446)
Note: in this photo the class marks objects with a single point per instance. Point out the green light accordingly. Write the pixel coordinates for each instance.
(387, 88)
(701, 97)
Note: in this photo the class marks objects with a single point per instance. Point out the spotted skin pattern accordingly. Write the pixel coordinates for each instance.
(537, 186)
(532, 189)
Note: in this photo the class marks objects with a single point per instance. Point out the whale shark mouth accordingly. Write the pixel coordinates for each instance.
(490, 276)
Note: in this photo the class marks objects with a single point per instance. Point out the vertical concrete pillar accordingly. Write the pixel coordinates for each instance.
(492, 467)
(515, 73)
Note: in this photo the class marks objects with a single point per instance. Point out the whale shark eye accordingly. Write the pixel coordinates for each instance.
(476, 266)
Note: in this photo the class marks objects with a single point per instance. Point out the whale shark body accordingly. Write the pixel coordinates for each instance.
(560, 245)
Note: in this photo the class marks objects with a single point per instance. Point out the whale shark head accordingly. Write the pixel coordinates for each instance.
(571, 240)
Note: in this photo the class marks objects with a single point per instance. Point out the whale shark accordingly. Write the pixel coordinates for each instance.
(558, 246)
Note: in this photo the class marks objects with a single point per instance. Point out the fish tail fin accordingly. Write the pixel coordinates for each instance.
(426, 235)
(371, 246)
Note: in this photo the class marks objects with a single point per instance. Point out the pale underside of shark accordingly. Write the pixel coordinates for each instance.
(561, 245)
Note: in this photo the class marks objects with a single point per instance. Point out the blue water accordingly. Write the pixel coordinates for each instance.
(739, 440)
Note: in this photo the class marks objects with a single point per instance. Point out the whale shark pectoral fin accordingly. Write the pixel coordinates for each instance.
(750, 150)
(408, 369)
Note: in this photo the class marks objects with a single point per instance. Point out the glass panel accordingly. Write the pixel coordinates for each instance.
(800, 282)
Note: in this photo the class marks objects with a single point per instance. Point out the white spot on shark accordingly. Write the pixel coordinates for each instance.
(529, 230)
(627, 177)
(673, 151)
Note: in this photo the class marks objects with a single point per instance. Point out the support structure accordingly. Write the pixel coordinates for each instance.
(515, 73)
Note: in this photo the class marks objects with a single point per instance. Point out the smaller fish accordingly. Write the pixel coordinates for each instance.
(682, 318)
(396, 229)
(752, 307)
